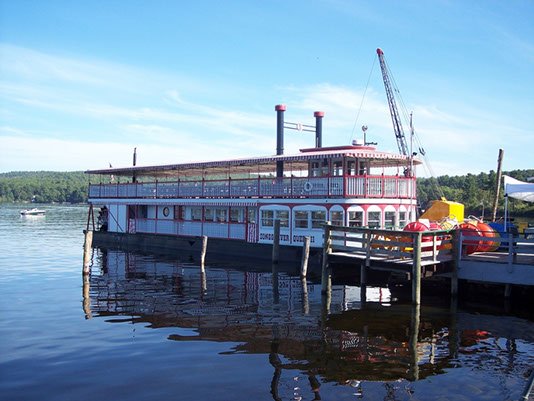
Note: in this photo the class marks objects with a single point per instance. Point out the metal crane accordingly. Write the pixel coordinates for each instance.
(395, 117)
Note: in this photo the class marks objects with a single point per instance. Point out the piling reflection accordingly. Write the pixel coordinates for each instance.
(344, 338)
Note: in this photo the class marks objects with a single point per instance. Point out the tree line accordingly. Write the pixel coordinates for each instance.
(476, 192)
(44, 186)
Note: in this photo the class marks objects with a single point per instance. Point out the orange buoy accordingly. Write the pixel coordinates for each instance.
(487, 232)
(471, 230)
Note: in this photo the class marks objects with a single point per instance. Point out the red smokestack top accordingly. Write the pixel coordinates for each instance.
(318, 114)
(280, 107)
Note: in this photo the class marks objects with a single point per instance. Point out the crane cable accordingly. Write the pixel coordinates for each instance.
(363, 98)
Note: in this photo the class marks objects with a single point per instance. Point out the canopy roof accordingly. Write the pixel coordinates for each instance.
(262, 164)
(518, 189)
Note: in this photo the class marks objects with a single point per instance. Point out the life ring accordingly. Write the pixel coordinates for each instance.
(308, 186)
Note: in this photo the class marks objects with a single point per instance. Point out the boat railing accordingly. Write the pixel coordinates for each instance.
(372, 186)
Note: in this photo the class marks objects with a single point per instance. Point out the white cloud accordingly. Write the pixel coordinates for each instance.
(92, 113)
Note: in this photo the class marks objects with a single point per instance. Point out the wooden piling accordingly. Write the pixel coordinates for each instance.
(416, 269)
(305, 257)
(456, 251)
(363, 282)
(276, 242)
(327, 249)
(414, 338)
(87, 251)
(203, 253)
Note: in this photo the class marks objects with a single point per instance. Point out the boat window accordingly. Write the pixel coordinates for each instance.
(318, 218)
(196, 213)
(179, 213)
(267, 218)
(337, 168)
(208, 214)
(389, 220)
(324, 169)
(373, 220)
(283, 216)
(362, 168)
(336, 218)
(301, 219)
(355, 218)
(402, 219)
(221, 215)
(351, 167)
(236, 215)
(251, 216)
(142, 211)
(315, 169)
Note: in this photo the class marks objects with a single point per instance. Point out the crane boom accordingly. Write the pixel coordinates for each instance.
(397, 125)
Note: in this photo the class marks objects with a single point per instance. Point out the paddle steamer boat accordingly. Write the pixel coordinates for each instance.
(235, 202)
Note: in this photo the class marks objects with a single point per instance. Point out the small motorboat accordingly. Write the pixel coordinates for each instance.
(33, 212)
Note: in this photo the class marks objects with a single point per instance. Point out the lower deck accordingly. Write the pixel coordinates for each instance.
(250, 221)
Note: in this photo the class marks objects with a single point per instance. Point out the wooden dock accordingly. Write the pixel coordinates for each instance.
(422, 254)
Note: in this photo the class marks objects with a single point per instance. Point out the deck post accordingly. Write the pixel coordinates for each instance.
(456, 252)
(203, 253)
(88, 242)
(325, 276)
(276, 242)
(416, 269)
(363, 282)
(305, 257)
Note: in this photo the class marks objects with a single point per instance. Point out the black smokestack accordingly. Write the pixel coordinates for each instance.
(280, 109)
(318, 128)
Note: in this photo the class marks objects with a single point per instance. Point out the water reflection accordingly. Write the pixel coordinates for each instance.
(285, 318)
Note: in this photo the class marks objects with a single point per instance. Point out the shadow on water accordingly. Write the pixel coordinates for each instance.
(341, 339)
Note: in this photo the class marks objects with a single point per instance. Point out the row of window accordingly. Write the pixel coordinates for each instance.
(303, 219)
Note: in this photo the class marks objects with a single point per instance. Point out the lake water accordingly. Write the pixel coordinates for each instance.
(144, 327)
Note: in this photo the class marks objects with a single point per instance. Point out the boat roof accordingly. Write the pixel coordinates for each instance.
(262, 164)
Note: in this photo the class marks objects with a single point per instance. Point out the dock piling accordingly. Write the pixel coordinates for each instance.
(305, 257)
(87, 250)
(276, 242)
(203, 253)
(325, 271)
(416, 269)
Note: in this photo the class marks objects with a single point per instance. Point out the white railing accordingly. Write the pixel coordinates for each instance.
(348, 186)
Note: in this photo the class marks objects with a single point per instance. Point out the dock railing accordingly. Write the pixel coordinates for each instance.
(406, 251)
(507, 249)
(391, 245)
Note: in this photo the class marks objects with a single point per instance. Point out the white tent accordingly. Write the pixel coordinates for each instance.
(518, 190)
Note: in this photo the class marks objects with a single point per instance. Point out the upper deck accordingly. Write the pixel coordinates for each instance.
(340, 172)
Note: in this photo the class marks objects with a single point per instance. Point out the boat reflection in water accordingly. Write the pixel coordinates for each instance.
(345, 341)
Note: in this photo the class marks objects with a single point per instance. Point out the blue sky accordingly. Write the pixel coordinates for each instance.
(83, 83)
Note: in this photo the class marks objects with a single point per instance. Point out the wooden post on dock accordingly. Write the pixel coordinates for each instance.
(305, 257)
(416, 269)
(276, 242)
(203, 253)
(327, 248)
(497, 186)
(456, 253)
(363, 281)
(87, 250)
